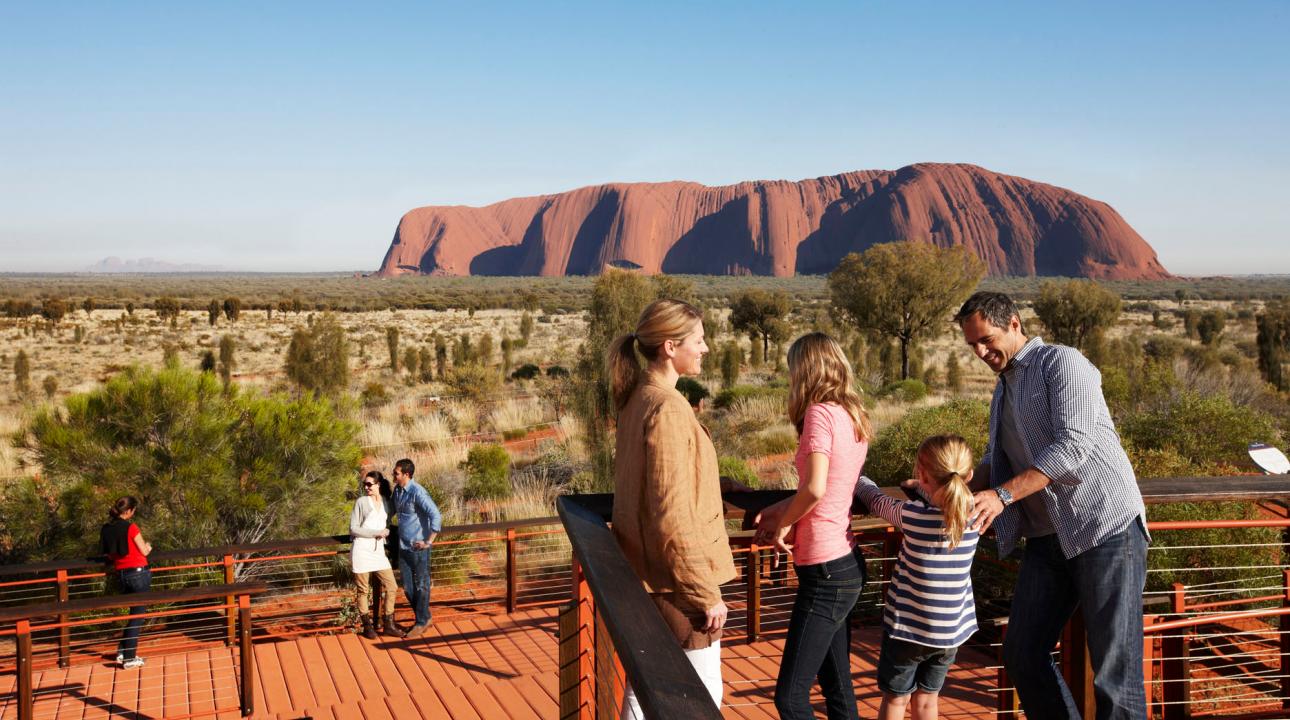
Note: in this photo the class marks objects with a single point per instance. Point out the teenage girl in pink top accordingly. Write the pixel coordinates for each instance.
(833, 439)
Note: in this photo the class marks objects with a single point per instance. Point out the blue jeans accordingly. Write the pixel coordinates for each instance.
(414, 573)
(133, 581)
(1106, 583)
(819, 640)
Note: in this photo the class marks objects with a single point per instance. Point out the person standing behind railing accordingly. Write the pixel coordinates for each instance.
(127, 554)
(419, 524)
(668, 515)
(833, 433)
(930, 610)
(368, 529)
(1055, 473)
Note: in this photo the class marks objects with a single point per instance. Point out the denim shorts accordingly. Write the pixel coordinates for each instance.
(904, 665)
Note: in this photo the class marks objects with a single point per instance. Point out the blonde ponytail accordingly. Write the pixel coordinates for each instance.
(947, 461)
(660, 321)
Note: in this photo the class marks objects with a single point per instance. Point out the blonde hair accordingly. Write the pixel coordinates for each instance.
(818, 372)
(660, 321)
(946, 460)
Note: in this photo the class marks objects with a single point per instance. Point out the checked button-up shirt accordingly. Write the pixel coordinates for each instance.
(1069, 436)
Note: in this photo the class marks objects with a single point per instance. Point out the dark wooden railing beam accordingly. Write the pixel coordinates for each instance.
(664, 681)
(113, 602)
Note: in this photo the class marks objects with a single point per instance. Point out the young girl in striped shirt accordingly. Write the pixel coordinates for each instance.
(930, 610)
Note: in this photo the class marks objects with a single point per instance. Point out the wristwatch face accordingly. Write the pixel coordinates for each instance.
(1004, 496)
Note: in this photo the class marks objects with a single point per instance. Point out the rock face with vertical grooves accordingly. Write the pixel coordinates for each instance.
(776, 227)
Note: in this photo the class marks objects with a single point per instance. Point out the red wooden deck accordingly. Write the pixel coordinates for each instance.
(482, 668)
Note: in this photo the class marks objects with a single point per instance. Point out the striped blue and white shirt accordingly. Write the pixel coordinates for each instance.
(1067, 434)
(929, 600)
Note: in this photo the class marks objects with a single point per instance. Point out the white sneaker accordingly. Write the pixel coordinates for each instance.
(132, 663)
(120, 658)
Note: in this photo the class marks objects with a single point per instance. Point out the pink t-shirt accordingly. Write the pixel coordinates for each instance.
(824, 533)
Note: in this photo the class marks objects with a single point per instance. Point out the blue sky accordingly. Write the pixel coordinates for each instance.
(292, 136)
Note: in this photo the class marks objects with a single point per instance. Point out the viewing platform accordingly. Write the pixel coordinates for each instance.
(534, 619)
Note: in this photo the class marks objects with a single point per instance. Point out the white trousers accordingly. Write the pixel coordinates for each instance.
(706, 662)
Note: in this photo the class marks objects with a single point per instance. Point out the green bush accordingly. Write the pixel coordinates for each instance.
(1202, 430)
(527, 371)
(488, 472)
(907, 391)
(474, 381)
(374, 395)
(693, 390)
(774, 441)
(891, 455)
(556, 371)
(209, 467)
(728, 396)
(738, 470)
(1193, 557)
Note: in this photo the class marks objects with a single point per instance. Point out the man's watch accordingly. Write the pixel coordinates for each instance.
(1005, 497)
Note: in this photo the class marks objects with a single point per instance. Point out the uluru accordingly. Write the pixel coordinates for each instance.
(1019, 227)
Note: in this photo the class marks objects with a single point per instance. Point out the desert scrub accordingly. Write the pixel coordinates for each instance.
(488, 473)
(891, 455)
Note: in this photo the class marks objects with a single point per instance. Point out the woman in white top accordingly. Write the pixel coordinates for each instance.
(369, 525)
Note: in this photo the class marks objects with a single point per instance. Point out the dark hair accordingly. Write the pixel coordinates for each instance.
(406, 467)
(381, 481)
(123, 505)
(997, 308)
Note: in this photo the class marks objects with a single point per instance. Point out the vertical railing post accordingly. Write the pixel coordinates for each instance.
(512, 574)
(1149, 665)
(752, 579)
(248, 656)
(230, 614)
(64, 632)
(26, 697)
(1178, 599)
(1176, 675)
(1076, 665)
(1006, 702)
(1283, 624)
(586, 634)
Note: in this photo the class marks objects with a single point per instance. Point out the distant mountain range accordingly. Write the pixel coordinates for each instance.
(1018, 226)
(149, 265)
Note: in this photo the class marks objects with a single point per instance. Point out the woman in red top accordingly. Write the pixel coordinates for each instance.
(127, 554)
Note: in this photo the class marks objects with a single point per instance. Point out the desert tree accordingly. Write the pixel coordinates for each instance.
(425, 362)
(21, 373)
(412, 362)
(53, 310)
(1273, 343)
(209, 466)
(953, 373)
(227, 359)
(1210, 326)
(166, 307)
(526, 326)
(1077, 312)
(904, 291)
(50, 385)
(318, 357)
(88, 306)
(232, 308)
(213, 311)
(392, 345)
(730, 360)
(617, 299)
(761, 314)
(484, 349)
(507, 356)
(208, 363)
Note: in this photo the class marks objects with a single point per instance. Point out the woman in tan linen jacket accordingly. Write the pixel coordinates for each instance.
(667, 497)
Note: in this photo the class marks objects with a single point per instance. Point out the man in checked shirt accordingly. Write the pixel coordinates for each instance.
(1054, 473)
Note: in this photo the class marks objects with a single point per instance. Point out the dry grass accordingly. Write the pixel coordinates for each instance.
(517, 414)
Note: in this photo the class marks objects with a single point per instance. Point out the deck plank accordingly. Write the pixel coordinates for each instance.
(271, 695)
(299, 686)
(455, 702)
(338, 666)
(320, 679)
(175, 686)
(369, 683)
(104, 685)
(511, 695)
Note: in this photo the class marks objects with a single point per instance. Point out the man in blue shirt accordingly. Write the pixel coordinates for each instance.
(1054, 472)
(419, 523)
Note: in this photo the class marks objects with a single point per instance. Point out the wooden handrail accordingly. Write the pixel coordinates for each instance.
(113, 602)
(97, 563)
(664, 681)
